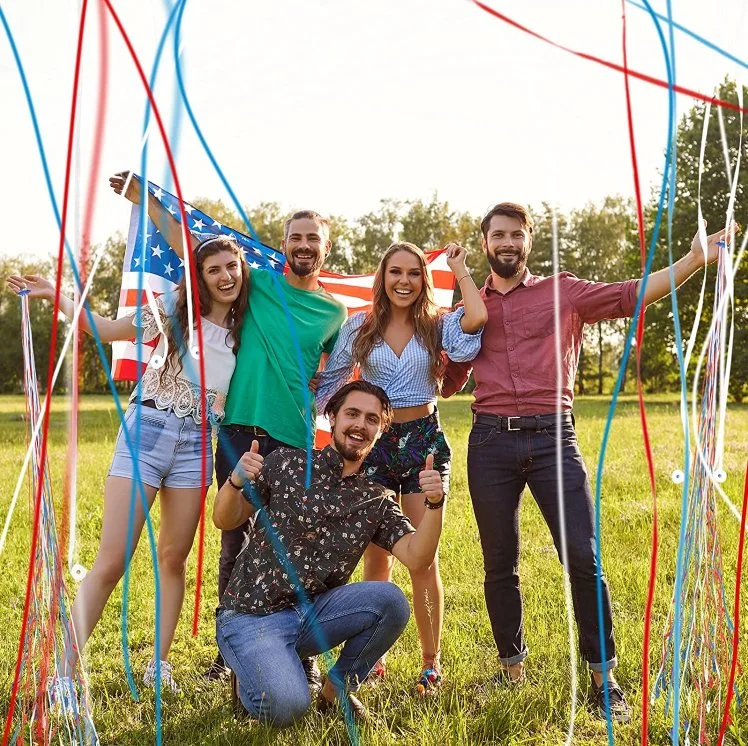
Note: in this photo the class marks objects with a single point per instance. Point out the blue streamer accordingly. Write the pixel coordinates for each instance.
(693, 35)
(352, 732)
(624, 361)
(138, 406)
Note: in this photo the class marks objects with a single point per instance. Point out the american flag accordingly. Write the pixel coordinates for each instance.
(161, 270)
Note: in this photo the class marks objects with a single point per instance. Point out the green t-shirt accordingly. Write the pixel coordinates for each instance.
(269, 389)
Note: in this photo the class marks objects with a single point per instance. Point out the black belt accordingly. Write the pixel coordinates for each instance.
(146, 403)
(522, 422)
(258, 432)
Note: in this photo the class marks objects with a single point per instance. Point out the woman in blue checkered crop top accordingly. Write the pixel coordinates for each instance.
(400, 345)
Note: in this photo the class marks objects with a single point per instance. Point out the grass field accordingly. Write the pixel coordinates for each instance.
(469, 709)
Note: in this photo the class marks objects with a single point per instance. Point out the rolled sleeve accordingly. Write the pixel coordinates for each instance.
(459, 345)
(339, 366)
(595, 301)
(393, 524)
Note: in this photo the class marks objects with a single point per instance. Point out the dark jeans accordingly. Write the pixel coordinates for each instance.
(500, 464)
(232, 444)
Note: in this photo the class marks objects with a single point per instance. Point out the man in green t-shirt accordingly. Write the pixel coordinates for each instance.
(290, 321)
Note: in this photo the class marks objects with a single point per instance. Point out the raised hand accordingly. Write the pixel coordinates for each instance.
(714, 243)
(456, 256)
(117, 182)
(38, 287)
(249, 465)
(431, 481)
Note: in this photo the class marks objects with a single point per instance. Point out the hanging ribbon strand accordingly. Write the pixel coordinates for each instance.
(705, 645)
(54, 703)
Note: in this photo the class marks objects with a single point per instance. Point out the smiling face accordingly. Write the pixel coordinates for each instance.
(357, 425)
(507, 246)
(403, 279)
(306, 246)
(222, 275)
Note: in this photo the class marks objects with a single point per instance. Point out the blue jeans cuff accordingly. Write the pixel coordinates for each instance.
(600, 667)
(514, 659)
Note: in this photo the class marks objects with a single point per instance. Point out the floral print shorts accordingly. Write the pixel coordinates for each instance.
(400, 455)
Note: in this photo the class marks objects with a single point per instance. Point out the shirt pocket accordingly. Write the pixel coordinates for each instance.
(538, 323)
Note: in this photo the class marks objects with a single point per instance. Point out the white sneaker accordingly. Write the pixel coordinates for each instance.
(62, 695)
(167, 680)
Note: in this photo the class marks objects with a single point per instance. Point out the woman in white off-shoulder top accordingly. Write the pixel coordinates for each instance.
(164, 418)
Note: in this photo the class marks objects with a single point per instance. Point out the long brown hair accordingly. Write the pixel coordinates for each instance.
(424, 312)
(178, 329)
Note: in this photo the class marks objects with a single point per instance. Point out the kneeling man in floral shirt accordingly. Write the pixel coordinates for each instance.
(287, 598)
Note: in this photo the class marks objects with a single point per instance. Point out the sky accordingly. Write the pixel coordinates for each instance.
(335, 104)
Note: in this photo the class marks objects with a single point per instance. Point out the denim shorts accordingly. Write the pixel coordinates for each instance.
(169, 453)
(399, 456)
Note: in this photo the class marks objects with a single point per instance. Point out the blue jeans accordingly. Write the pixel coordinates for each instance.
(265, 652)
(500, 464)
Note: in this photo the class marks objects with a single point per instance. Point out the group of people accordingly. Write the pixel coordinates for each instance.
(296, 522)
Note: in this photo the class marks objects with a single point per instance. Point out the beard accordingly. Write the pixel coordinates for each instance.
(303, 270)
(351, 453)
(508, 269)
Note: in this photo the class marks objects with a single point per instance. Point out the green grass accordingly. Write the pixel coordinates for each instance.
(469, 710)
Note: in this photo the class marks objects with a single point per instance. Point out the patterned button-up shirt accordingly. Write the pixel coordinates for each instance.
(307, 541)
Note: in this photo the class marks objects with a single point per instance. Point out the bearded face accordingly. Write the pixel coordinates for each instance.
(507, 245)
(306, 246)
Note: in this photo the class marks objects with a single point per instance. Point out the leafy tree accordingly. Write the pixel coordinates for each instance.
(599, 239)
(659, 344)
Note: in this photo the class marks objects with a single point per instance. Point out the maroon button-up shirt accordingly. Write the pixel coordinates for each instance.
(515, 371)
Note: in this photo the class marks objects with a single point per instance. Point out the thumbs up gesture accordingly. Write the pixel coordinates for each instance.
(249, 465)
(431, 481)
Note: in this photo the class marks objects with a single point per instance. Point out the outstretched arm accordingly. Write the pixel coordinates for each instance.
(108, 330)
(168, 225)
(476, 314)
(658, 283)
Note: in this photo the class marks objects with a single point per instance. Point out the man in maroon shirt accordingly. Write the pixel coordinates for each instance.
(514, 436)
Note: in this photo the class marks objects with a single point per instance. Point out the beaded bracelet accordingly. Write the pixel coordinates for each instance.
(434, 506)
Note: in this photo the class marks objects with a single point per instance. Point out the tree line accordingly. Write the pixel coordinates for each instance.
(598, 241)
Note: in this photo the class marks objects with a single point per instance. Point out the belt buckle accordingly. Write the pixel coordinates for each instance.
(509, 427)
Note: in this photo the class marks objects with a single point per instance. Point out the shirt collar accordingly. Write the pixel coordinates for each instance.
(334, 462)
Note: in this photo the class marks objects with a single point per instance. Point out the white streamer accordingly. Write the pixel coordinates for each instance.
(55, 375)
(560, 486)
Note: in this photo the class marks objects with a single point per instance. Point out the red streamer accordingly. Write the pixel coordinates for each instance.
(50, 374)
(196, 301)
(612, 65)
(736, 618)
(640, 392)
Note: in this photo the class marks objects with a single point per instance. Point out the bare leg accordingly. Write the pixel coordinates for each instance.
(378, 564)
(109, 565)
(180, 513)
(428, 593)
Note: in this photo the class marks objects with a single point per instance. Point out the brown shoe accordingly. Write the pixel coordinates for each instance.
(358, 712)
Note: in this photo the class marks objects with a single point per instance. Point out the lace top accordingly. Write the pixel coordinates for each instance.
(176, 387)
